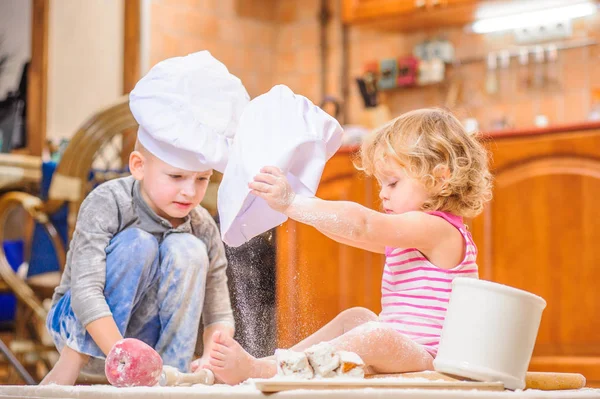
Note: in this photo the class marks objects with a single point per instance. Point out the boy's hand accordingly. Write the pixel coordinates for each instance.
(272, 186)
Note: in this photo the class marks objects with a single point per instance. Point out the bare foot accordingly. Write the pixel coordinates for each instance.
(67, 368)
(231, 364)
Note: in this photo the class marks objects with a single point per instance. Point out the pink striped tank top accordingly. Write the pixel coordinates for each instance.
(415, 292)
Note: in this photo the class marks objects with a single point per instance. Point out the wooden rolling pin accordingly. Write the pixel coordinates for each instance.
(553, 381)
(171, 377)
(533, 380)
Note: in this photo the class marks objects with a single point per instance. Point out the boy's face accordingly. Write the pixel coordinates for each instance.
(171, 192)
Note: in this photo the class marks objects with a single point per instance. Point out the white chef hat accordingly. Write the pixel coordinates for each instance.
(188, 109)
(282, 129)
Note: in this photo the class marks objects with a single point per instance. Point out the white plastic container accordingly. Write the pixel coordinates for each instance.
(489, 332)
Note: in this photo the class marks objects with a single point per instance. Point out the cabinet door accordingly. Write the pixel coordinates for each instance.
(540, 233)
(317, 277)
(408, 15)
(361, 10)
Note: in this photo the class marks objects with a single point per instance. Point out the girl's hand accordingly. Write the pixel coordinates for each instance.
(272, 186)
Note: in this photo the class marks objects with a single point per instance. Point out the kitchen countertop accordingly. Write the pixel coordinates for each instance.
(533, 131)
(520, 132)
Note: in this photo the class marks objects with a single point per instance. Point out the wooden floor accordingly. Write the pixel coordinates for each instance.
(6, 337)
(5, 368)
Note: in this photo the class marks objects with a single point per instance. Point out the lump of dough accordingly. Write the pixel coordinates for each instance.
(351, 365)
(291, 363)
(323, 359)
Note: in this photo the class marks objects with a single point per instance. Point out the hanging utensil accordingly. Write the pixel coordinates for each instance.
(333, 101)
(368, 90)
(491, 81)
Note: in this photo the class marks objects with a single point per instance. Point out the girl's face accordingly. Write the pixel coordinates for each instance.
(400, 192)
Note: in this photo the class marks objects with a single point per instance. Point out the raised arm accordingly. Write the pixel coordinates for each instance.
(348, 221)
(377, 248)
(356, 223)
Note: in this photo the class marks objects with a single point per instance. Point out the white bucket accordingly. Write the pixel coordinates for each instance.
(489, 332)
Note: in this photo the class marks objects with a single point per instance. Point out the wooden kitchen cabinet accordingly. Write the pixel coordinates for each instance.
(317, 277)
(362, 10)
(540, 233)
(406, 15)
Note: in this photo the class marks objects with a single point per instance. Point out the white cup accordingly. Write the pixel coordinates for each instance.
(489, 332)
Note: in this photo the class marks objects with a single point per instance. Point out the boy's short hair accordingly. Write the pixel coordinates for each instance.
(140, 147)
(425, 141)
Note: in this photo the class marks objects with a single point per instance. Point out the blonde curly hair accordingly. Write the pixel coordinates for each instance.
(433, 147)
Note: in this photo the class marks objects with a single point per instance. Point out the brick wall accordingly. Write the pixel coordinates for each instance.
(263, 42)
(242, 39)
(266, 42)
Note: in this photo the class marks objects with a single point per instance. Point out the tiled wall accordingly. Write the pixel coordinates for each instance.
(266, 42)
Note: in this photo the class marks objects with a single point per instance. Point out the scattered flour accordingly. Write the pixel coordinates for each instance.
(248, 390)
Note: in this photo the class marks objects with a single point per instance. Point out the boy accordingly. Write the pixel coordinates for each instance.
(146, 261)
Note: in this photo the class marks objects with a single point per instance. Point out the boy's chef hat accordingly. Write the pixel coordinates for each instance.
(188, 109)
(282, 129)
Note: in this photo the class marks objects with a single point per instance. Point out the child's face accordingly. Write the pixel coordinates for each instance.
(171, 192)
(400, 192)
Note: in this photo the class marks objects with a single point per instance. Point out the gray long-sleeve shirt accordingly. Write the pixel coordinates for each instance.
(113, 207)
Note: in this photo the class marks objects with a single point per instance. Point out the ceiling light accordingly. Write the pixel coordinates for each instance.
(530, 18)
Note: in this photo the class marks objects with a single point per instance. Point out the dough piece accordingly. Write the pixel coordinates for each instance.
(351, 365)
(290, 363)
(323, 358)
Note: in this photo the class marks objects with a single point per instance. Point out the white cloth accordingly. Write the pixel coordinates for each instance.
(188, 109)
(281, 129)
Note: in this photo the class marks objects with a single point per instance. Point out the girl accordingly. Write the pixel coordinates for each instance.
(432, 174)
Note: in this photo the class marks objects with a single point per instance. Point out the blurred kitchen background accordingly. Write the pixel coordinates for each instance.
(524, 73)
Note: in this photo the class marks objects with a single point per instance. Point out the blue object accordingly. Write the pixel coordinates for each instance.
(14, 254)
(43, 255)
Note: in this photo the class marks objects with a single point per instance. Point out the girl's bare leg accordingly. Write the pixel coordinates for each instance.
(341, 324)
(232, 364)
(384, 350)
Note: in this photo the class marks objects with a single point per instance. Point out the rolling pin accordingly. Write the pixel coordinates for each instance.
(172, 377)
(553, 381)
(533, 380)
